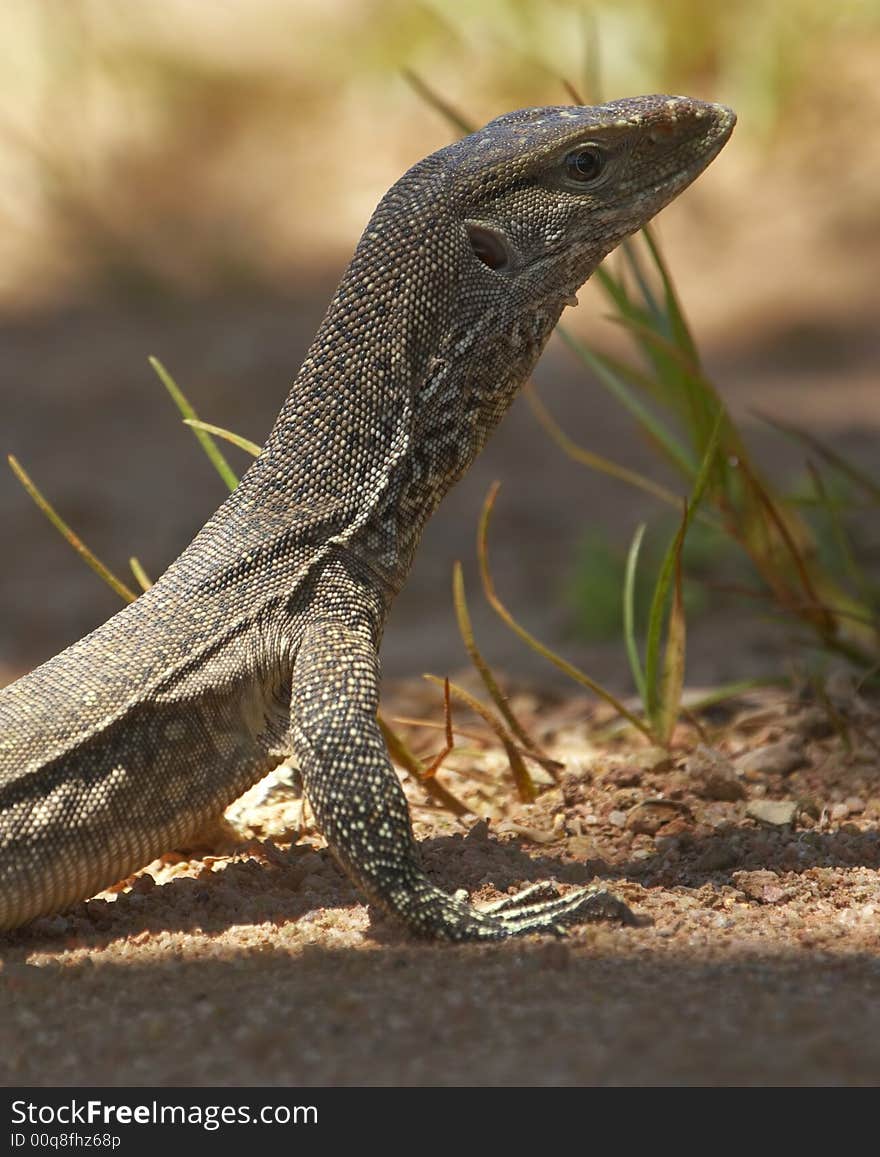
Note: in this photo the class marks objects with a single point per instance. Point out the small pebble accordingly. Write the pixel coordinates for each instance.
(776, 813)
(775, 759)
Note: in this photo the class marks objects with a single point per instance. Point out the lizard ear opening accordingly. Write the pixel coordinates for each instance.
(489, 245)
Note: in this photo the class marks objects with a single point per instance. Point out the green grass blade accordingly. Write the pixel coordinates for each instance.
(433, 99)
(629, 615)
(691, 397)
(592, 69)
(142, 578)
(672, 675)
(652, 305)
(654, 634)
(208, 444)
(680, 330)
(648, 383)
(845, 552)
(734, 690)
(73, 539)
(853, 473)
(615, 385)
(617, 293)
(660, 596)
(655, 342)
(504, 614)
(820, 617)
(664, 335)
(245, 444)
(572, 92)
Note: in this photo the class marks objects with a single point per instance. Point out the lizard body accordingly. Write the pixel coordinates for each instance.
(261, 639)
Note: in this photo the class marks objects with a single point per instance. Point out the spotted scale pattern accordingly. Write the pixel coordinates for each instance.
(262, 639)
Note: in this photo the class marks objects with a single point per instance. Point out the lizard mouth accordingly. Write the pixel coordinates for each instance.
(489, 245)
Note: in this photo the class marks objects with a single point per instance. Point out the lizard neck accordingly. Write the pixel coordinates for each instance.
(468, 384)
(388, 412)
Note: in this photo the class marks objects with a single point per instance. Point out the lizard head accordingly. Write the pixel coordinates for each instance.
(470, 257)
(543, 194)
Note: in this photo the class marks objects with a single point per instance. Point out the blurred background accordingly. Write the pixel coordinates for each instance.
(188, 181)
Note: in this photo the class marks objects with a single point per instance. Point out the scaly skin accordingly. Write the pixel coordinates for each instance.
(261, 640)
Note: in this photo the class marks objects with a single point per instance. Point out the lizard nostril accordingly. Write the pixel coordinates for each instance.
(489, 245)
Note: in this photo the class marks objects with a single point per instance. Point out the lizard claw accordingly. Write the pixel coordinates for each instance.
(541, 908)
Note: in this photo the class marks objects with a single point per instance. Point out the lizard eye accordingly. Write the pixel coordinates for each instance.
(585, 164)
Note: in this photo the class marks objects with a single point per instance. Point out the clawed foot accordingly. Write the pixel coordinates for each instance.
(541, 908)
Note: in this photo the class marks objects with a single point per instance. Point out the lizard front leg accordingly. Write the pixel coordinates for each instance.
(363, 813)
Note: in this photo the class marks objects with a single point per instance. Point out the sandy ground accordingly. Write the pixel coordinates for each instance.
(751, 855)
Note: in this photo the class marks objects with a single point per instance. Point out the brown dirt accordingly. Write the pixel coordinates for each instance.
(252, 961)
